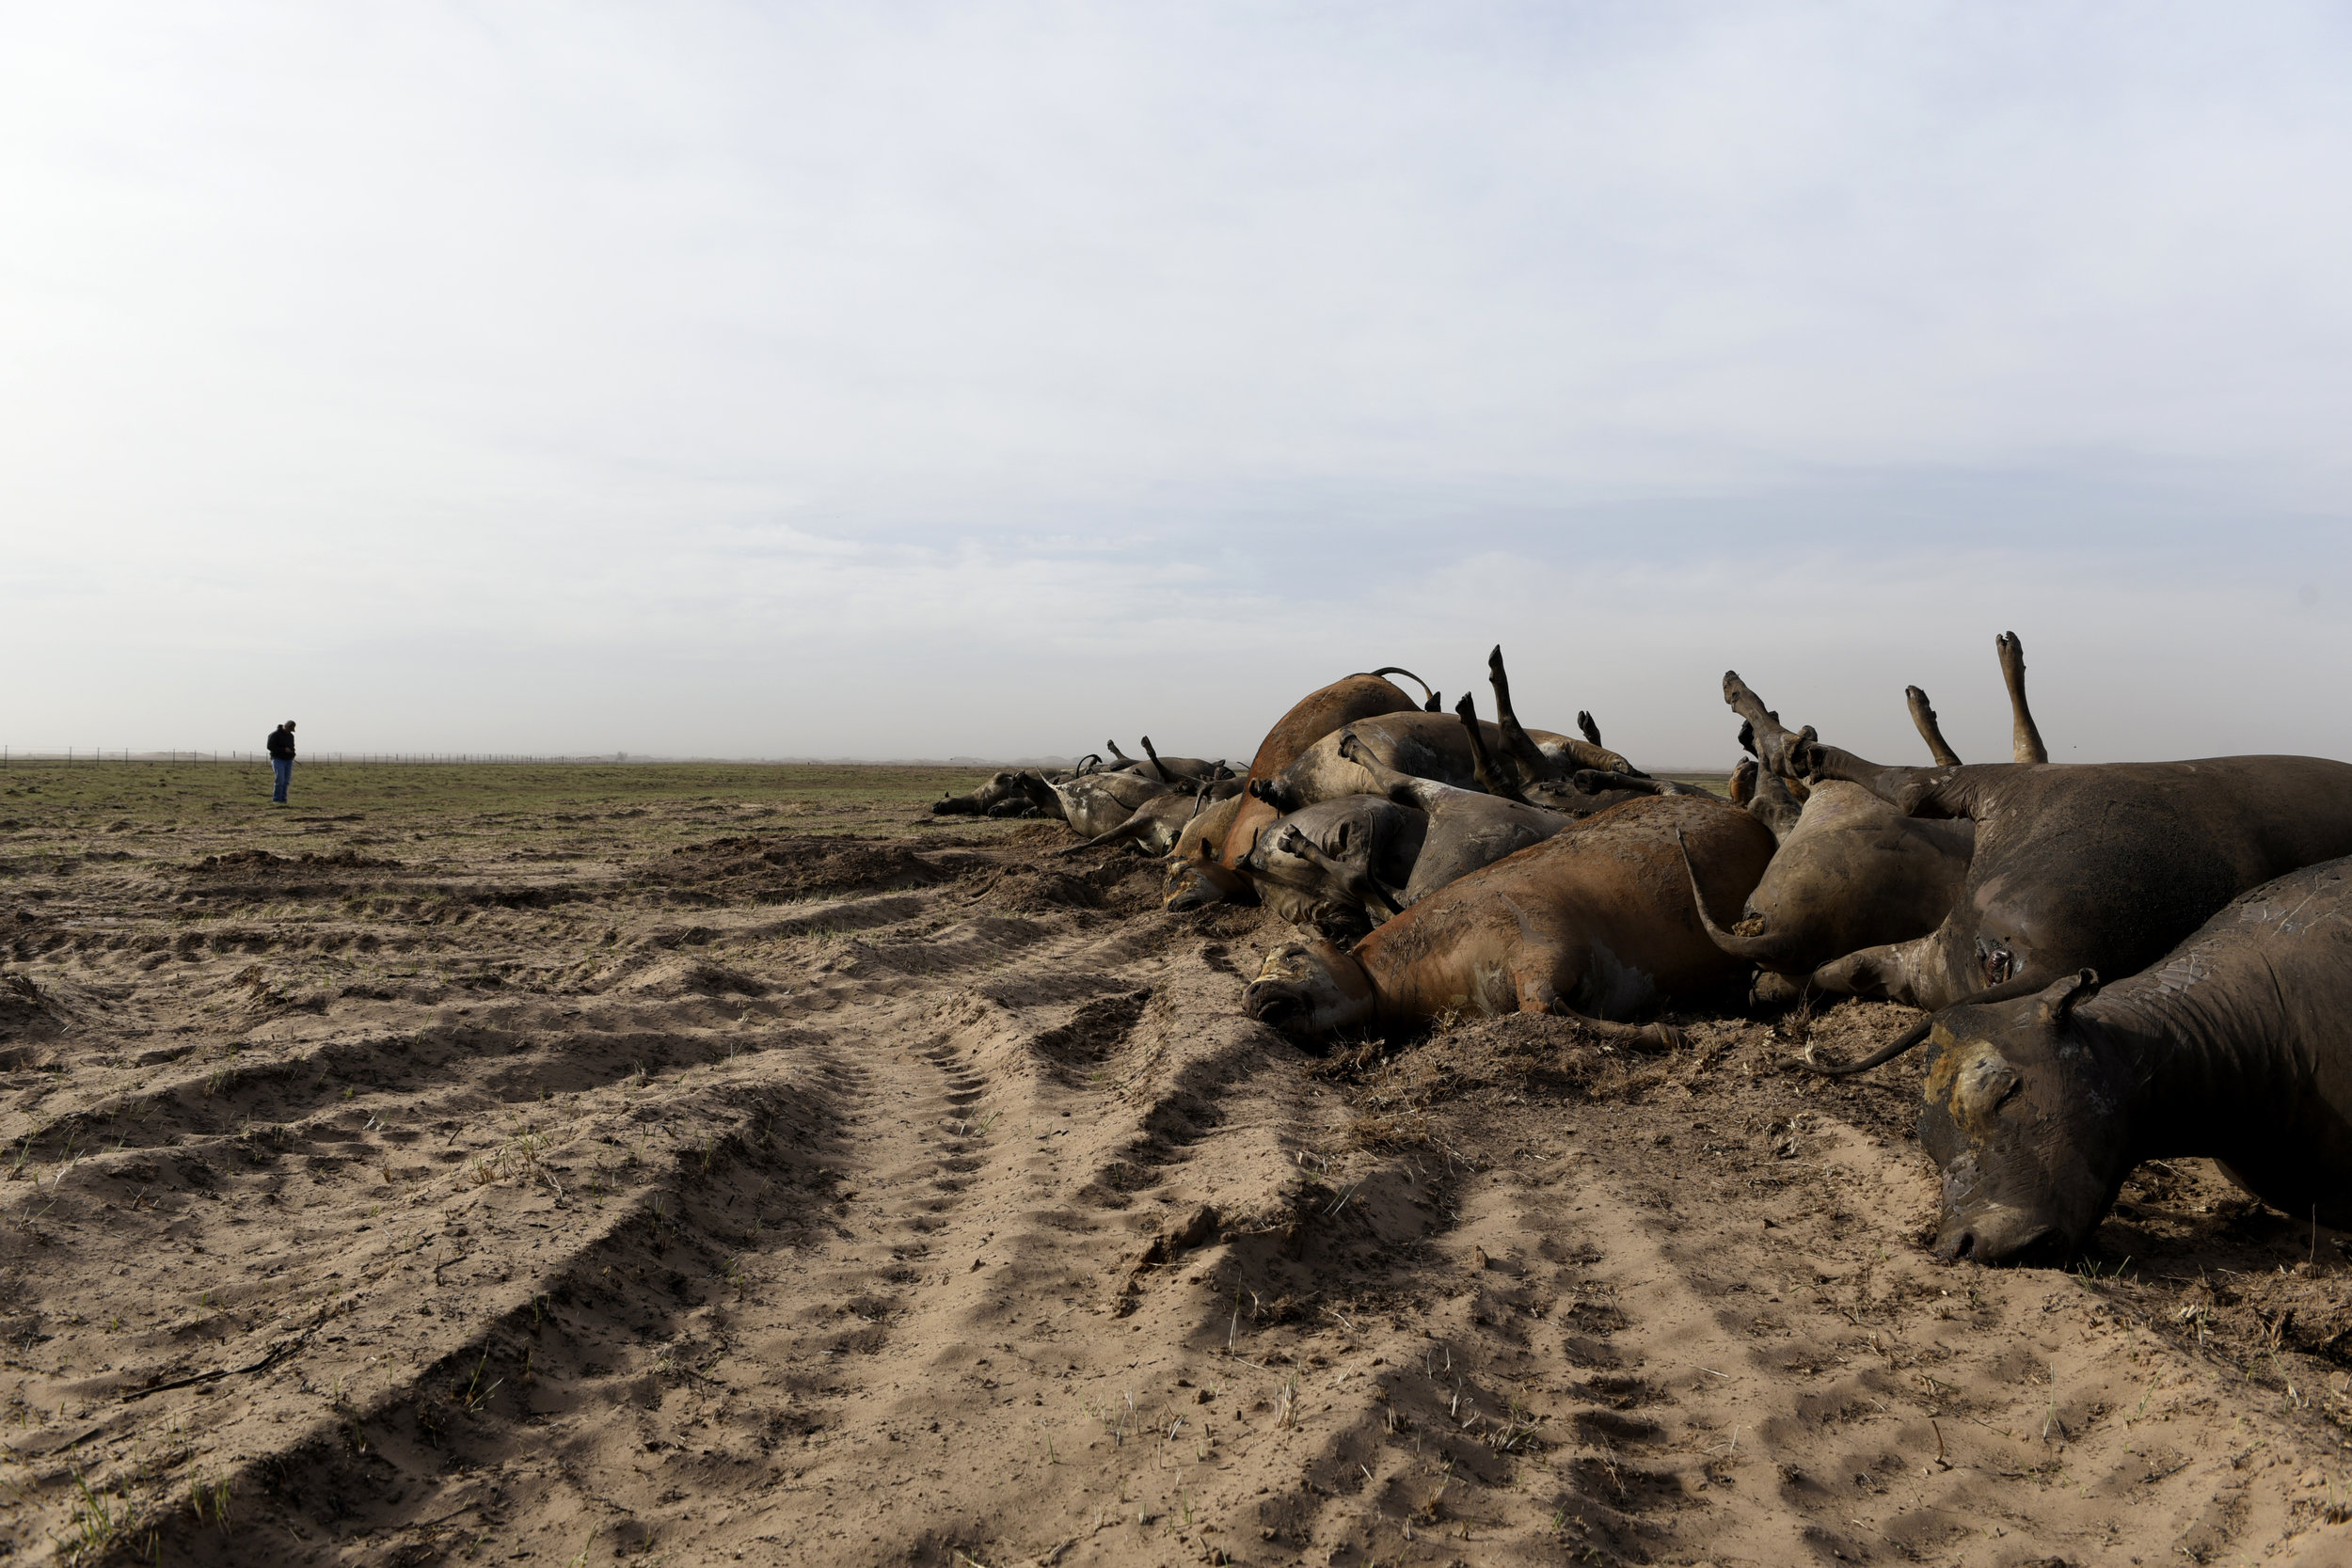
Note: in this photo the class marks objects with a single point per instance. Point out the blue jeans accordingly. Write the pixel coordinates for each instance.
(283, 767)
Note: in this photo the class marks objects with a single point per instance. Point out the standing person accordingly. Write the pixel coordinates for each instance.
(281, 755)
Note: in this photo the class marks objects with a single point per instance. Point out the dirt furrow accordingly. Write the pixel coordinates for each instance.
(843, 1201)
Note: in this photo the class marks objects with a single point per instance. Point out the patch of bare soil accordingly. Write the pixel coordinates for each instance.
(263, 862)
(773, 870)
(788, 1199)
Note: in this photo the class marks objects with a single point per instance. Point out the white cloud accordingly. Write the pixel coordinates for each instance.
(917, 380)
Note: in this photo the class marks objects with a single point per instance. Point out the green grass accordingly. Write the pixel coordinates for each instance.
(64, 824)
(1719, 783)
(54, 793)
(48, 791)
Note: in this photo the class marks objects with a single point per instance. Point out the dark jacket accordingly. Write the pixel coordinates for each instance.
(282, 742)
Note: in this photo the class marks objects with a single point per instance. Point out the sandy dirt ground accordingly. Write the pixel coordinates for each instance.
(577, 1166)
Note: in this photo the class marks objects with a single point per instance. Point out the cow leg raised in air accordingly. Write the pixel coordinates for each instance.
(1801, 757)
(2024, 739)
(1923, 717)
(1525, 757)
(1491, 779)
(1762, 734)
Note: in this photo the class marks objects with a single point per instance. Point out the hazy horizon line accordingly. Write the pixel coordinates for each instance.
(167, 756)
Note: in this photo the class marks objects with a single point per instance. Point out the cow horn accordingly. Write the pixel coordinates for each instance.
(2008, 990)
(1400, 670)
(1884, 1054)
(1754, 949)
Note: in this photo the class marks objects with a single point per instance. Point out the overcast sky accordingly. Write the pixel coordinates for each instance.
(917, 380)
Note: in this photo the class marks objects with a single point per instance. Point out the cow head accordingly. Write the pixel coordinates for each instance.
(1308, 990)
(2029, 1132)
(1198, 881)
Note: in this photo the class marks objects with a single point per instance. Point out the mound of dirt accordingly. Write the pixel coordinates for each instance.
(252, 862)
(1523, 1051)
(1119, 884)
(1035, 891)
(24, 1007)
(773, 870)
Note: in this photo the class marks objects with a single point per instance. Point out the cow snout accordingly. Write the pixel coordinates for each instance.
(1994, 1233)
(1276, 1004)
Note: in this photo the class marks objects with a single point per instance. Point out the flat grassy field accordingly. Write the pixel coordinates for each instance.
(147, 798)
(149, 793)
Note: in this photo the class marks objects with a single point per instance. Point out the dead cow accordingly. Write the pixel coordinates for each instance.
(1157, 825)
(1532, 766)
(1205, 832)
(1420, 745)
(1854, 872)
(1328, 867)
(2236, 1046)
(1001, 789)
(1203, 878)
(1379, 874)
(1093, 804)
(1851, 873)
(2092, 865)
(1593, 924)
(1171, 770)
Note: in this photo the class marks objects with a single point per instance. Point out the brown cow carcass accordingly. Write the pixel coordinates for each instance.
(1204, 873)
(1595, 923)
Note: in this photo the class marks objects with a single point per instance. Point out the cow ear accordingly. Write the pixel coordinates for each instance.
(2059, 999)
